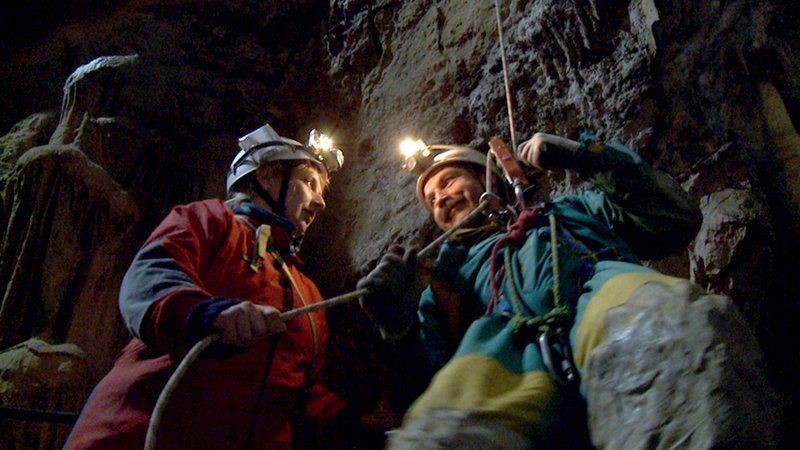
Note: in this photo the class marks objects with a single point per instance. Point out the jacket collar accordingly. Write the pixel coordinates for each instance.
(282, 229)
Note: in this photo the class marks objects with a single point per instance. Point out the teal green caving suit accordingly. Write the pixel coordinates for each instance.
(484, 357)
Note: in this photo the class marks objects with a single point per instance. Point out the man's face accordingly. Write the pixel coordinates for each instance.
(304, 197)
(451, 194)
(304, 192)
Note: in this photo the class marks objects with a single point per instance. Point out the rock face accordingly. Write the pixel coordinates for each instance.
(35, 375)
(152, 96)
(59, 287)
(727, 251)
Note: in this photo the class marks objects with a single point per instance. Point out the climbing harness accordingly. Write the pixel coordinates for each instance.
(548, 331)
(262, 245)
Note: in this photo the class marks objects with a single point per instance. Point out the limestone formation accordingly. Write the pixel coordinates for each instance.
(62, 283)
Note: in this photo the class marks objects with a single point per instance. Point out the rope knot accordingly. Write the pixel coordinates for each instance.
(526, 329)
(554, 323)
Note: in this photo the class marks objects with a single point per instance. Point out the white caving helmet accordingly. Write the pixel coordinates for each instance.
(265, 145)
(427, 159)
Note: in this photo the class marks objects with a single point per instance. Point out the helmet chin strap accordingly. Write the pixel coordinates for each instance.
(278, 206)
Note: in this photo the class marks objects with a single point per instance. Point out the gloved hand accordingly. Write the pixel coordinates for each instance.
(394, 294)
(548, 152)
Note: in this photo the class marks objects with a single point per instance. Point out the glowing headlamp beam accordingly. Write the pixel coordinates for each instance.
(409, 147)
(319, 141)
(324, 142)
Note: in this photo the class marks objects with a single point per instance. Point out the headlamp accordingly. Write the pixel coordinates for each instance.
(265, 145)
(424, 159)
(416, 155)
(321, 146)
(419, 157)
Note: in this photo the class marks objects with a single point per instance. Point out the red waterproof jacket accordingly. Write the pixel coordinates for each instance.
(199, 256)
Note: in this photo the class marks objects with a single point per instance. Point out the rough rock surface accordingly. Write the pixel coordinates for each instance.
(35, 375)
(60, 287)
(726, 251)
(153, 94)
(28, 133)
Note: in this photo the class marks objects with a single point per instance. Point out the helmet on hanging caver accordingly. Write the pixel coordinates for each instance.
(426, 160)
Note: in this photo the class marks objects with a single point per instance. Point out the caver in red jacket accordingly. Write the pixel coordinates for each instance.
(194, 264)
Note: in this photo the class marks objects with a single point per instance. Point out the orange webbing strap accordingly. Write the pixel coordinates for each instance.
(507, 161)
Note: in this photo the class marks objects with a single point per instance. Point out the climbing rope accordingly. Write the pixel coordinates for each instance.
(560, 317)
(531, 327)
(172, 383)
(203, 344)
(200, 346)
(506, 83)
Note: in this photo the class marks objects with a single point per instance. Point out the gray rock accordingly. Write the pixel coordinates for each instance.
(732, 253)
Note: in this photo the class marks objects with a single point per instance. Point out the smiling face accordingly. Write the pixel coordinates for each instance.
(304, 194)
(451, 193)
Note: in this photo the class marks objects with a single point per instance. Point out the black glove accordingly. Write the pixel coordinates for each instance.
(394, 294)
(548, 152)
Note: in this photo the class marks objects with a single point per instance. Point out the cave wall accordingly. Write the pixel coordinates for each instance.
(114, 115)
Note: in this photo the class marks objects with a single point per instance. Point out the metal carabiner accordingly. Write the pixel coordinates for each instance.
(495, 202)
(565, 373)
